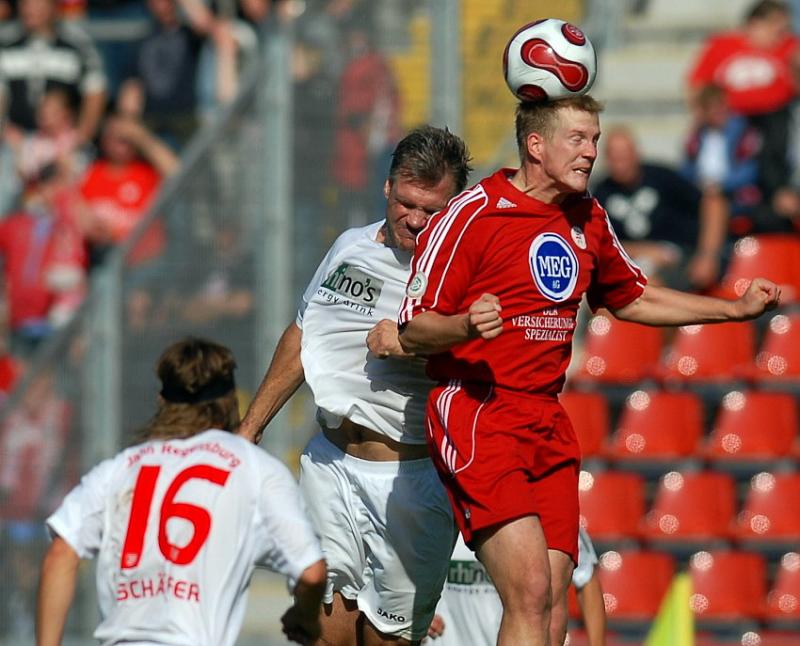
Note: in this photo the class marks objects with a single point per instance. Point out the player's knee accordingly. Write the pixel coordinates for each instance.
(529, 594)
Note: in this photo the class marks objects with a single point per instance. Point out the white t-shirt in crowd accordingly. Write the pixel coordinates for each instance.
(178, 527)
(359, 282)
(470, 605)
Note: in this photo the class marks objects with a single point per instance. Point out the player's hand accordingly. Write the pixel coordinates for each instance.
(484, 317)
(383, 340)
(299, 627)
(437, 627)
(761, 296)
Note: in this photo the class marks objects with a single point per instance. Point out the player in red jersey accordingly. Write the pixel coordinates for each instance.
(495, 287)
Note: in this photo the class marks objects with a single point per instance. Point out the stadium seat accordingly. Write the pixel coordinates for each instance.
(728, 586)
(609, 356)
(771, 512)
(634, 583)
(776, 257)
(659, 426)
(691, 509)
(752, 428)
(710, 353)
(611, 505)
(778, 359)
(588, 413)
(783, 600)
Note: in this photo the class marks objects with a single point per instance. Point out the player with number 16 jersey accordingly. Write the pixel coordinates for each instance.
(179, 522)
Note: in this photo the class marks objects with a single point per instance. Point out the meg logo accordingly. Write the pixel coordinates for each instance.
(554, 266)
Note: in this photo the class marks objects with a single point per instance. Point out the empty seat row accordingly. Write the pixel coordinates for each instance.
(691, 508)
(658, 425)
(618, 352)
(726, 585)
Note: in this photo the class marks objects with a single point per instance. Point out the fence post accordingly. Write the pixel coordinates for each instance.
(274, 289)
(446, 64)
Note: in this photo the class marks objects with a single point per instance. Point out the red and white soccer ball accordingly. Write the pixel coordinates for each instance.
(548, 60)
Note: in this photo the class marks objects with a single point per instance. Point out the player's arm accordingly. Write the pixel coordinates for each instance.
(56, 590)
(664, 306)
(593, 610)
(284, 376)
(430, 332)
(301, 621)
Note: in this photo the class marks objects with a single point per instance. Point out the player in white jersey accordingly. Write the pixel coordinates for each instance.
(179, 522)
(470, 609)
(384, 519)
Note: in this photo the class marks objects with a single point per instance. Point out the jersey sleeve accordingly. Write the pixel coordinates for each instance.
(291, 544)
(445, 260)
(79, 520)
(617, 281)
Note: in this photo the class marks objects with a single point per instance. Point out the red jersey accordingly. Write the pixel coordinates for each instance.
(539, 259)
(755, 80)
(120, 198)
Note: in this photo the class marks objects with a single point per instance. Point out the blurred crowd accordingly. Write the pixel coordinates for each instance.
(740, 171)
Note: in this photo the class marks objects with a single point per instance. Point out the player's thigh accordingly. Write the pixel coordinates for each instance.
(335, 515)
(516, 556)
(338, 621)
(409, 543)
(561, 568)
(371, 636)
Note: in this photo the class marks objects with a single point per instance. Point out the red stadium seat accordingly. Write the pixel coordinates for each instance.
(618, 352)
(771, 511)
(779, 357)
(658, 426)
(783, 600)
(588, 413)
(612, 504)
(709, 353)
(692, 507)
(634, 583)
(752, 427)
(728, 585)
(776, 257)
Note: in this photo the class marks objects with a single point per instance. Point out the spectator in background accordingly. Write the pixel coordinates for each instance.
(55, 141)
(119, 187)
(367, 123)
(752, 64)
(44, 262)
(34, 473)
(721, 159)
(43, 54)
(163, 88)
(675, 233)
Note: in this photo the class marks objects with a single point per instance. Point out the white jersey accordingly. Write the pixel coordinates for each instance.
(470, 605)
(178, 526)
(359, 282)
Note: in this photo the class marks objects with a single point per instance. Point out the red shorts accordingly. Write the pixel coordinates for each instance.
(503, 455)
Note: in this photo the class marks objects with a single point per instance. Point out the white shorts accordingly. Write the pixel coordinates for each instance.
(387, 532)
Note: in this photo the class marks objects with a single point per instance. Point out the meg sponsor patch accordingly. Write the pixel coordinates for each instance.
(554, 266)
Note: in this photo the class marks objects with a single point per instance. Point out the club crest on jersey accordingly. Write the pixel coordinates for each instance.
(417, 285)
(554, 266)
(577, 236)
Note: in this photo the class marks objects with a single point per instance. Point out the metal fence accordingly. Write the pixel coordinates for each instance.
(232, 240)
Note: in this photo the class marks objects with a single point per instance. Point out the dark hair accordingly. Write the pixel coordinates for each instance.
(428, 154)
(540, 117)
(766, 8)
(198, 391)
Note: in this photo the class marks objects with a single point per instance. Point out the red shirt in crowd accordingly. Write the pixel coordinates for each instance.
(756, 80)
(119, 198)
(539, 259)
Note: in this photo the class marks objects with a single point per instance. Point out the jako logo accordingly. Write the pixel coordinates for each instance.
(391, 616)
(554, 266)
(354, 284)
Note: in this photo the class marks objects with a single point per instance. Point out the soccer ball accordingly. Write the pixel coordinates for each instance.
(549, 59)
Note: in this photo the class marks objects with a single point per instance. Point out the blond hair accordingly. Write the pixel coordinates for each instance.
(540, 117)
